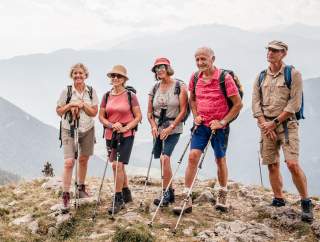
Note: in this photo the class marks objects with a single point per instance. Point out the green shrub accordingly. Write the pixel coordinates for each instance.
(138, 233)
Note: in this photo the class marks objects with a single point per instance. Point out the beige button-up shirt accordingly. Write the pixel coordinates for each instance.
(276, 96)
(85, 122)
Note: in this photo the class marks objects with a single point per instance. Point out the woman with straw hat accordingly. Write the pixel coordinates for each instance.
(120, 114)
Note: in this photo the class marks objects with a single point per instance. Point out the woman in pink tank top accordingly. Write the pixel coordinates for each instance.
(120, 114)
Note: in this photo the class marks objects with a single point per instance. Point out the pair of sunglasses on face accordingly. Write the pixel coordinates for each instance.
(273, 50)
(114, 75)
(160, 67)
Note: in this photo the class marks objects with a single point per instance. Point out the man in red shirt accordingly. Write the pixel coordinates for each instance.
(211, 114)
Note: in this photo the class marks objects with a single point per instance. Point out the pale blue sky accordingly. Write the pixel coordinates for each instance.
(33, 26)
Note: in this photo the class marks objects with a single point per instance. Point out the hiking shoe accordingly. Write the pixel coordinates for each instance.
(82, 191)
(126, 193)
(65, 202)
(118, 203)
(222, 201)
(307, 210)
(168, 197)
(278, 202)
(187, 209)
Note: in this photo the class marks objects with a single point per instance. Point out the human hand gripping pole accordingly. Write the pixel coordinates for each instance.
(172, 177)
(194, 179)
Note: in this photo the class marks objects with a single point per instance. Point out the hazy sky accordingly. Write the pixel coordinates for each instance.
(32, 26)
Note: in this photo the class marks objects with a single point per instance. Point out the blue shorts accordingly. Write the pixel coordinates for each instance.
(219, 141)
(169, 144)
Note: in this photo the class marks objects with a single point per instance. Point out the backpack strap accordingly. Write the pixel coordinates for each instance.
(69, 94)
(287, 75)
(261, 78)
(130, 102)
(177, 88)
(154, 90)
(223, 88)
(90, 92)
(195, 81)
(131, 109)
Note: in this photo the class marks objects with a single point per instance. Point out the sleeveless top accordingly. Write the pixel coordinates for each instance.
(169, 101)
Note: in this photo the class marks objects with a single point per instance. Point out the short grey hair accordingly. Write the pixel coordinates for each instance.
(205, 50)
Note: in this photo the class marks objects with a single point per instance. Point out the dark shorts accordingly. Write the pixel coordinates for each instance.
(219, 141)
(169, 144)
(125, 149)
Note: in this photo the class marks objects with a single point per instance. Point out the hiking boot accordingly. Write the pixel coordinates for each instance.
(118, 203)
(187, 209)
(82, 191)
(222, 201)
(168, 197)
(278, 202)
(65, 202)
(126, 193)
(307, 210)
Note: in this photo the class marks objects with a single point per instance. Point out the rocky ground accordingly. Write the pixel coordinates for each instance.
(30, 212)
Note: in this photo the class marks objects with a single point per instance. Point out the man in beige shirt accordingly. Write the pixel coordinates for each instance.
(274, 105)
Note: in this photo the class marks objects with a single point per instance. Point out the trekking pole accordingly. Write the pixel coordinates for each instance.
(76, 156)
(161, 166)
(99, 194)
(116, 175)
(168, 186)
(148, 172)
(194, 179)
(259, 161)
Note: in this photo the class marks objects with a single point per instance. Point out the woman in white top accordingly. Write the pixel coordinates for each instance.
(77, 106)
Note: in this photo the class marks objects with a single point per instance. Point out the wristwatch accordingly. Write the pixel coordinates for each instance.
(223, 122)
(276, 121)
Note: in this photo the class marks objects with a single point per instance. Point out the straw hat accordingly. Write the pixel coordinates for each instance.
(118, 69)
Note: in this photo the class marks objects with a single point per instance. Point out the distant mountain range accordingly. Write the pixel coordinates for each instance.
(34, 82)
(26, 144)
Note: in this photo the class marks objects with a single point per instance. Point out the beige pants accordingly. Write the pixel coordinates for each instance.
(86, 143)
(270, 150)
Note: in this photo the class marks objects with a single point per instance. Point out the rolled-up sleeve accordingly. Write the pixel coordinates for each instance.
(95, 100)
(62, 99)
(295, 100)
(256, 100)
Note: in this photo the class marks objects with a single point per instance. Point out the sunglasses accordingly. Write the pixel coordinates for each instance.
(114, 75)
(273, 50)
(160, 67)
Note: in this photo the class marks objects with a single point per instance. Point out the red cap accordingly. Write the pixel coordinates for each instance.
(160, 61)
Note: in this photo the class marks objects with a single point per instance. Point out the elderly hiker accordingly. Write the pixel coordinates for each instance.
(277, 104)
(78, 103)
(120, 114)
(212, 114)
(167, 107)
